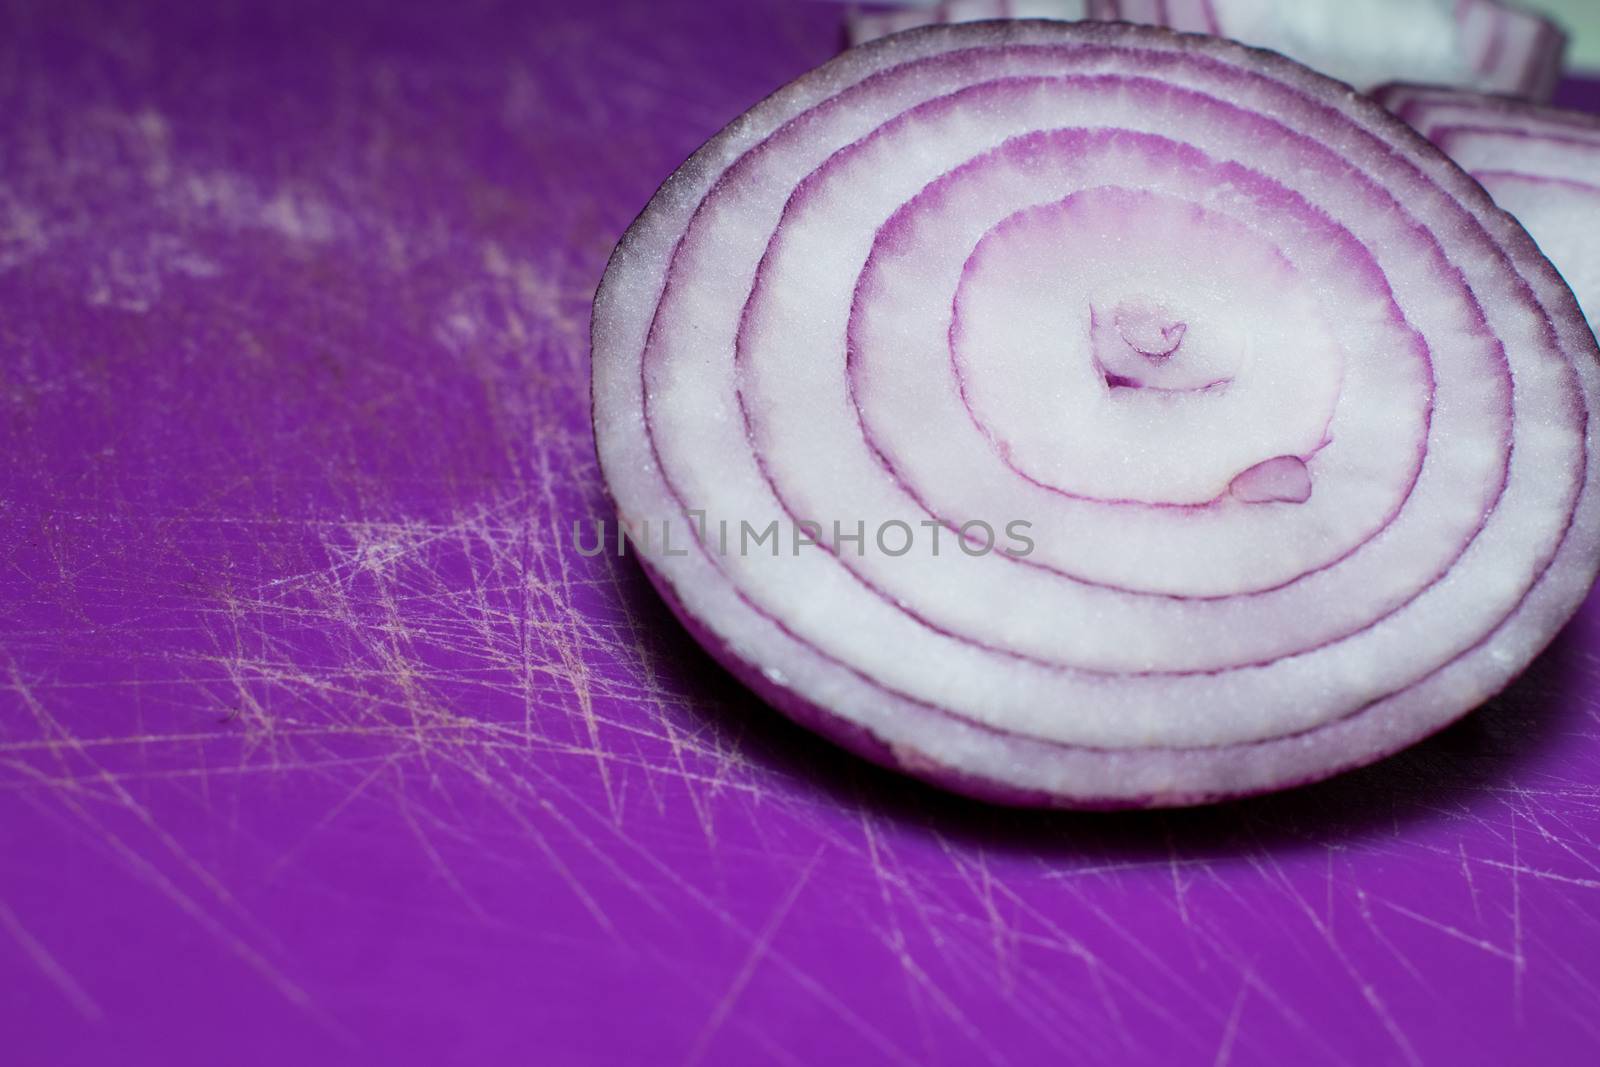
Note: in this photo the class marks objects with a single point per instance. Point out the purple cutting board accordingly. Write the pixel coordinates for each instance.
(315, 746)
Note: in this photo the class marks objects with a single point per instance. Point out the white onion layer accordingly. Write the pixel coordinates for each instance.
(1295, 419)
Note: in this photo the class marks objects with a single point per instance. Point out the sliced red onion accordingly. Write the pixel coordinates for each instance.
(1480, 44)
(1540, 163)
(1254, 436)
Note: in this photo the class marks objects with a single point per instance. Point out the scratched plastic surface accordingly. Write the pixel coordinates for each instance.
(316, 746)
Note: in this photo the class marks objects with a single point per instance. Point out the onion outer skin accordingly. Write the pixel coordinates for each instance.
(942, 747)
(1507, 49)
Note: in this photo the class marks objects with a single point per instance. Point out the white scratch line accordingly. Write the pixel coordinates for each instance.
(758, 952)
(51, 967)
(1445, 928)
(1231, 1030)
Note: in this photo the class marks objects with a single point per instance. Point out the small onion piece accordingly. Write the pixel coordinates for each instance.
(1175, 422)
(1478, 44)
(1541, 164)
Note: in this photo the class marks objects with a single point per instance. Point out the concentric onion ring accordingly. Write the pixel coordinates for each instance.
(1297, 421)
(1482, 44)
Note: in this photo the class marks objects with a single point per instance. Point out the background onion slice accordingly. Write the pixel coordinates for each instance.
(1480, 44)
(880, 20)
(891, 298)
(1541, 164)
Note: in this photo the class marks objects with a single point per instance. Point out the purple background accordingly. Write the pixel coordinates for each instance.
(316, 746)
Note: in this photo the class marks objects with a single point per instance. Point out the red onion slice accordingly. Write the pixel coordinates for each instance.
(1480, 44)
(1540, 163)
(1255, 437)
